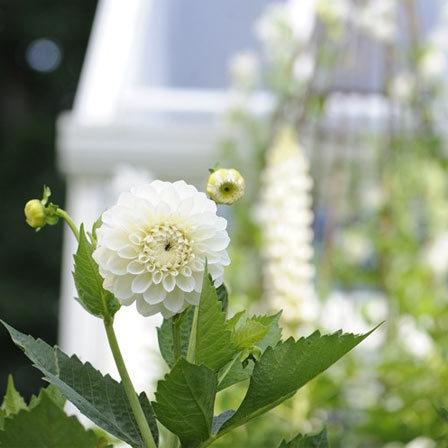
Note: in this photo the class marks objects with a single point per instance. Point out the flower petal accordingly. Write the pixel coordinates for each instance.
(141, 283)
(174, 301)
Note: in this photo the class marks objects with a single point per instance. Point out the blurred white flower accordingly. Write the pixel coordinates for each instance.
(402, 87)
(433, 65)
(421, 442)
(154, 243)
(244, 70)
(286, 26)
(333, 12)
(415, 341)
(436, 254)
(348, 310)
(378, 19)
(304, 67)
(356, 246)
(286, 220)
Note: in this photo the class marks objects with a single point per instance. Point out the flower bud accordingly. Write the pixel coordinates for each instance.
(225, 186)
(38, 213)
(35, 213)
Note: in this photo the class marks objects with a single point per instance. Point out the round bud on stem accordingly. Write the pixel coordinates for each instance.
(35, 213)
(225, 186)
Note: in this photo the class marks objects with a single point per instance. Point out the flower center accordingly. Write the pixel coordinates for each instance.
(165, 248)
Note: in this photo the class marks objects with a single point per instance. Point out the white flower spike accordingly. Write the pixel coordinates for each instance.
(154, 244)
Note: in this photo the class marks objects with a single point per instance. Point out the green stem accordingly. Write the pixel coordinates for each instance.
(177, 348)
(191, 352)
(68, 219)
(172, 441)
(128, 387)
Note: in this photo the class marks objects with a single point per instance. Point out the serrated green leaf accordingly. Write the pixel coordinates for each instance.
(213, 346)
(89, 283)
(288, 366)
(13, 402)
(165, 337)
(45, 426)
(316, 441)
(274, 333)
(100, 398)
(51, 392)
(184, 402)
(248, 333)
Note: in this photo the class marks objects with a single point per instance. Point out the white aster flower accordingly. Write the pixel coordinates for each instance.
(154, 244)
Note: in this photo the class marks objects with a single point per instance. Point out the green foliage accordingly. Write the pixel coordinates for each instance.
(13, 402)
(287, 367)
(185, 401)
(98, 397)
(89, 283)
(42, 423)
(213, 345)
(45, 426)
(247, 332)
(165, 336)
(317, 441)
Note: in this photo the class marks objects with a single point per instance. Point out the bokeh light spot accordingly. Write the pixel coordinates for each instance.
(43, 55)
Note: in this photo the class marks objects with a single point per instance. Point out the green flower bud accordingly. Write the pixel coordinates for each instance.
(35, 213)
(225, 186)
(39, 213)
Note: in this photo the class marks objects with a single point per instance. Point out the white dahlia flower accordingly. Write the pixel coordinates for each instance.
(154, 244)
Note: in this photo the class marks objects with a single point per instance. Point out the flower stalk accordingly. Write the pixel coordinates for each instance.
(128, 386)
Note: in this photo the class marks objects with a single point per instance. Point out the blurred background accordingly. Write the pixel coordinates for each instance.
(333, 110)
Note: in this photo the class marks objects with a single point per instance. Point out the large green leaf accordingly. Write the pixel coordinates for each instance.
(185, 401)
(89, 283)
(45, 426)
(13, 402)
(288, 366)
(213, 346)
(316, 441)
(98, 397)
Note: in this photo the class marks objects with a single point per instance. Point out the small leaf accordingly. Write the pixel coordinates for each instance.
(317, 441)
(13, 402)
(89, 283)
(239, 372)
(45, 426)
(288, 366)
(185, 400)
(274, 333)
(165, 336)
(100, 398)
(248, 333)
(213, 338)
